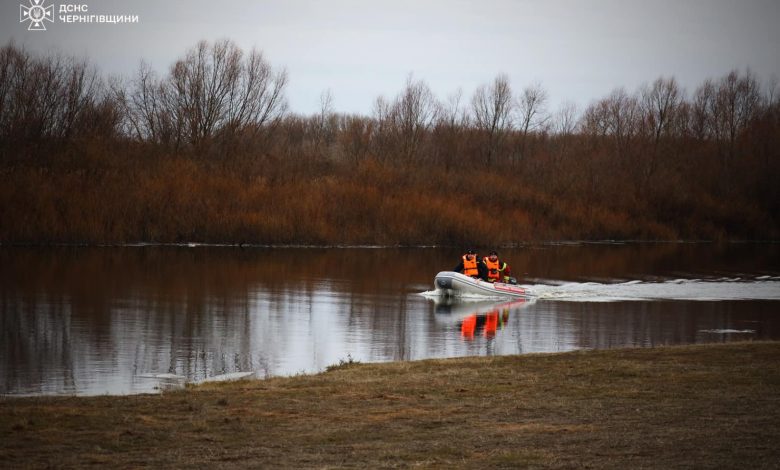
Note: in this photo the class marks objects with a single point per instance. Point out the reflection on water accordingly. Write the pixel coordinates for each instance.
(107, 320)
(477, 318)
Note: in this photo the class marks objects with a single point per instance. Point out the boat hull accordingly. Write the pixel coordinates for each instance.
(457, 284)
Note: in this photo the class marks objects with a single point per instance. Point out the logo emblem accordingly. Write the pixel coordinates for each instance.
(36, 14)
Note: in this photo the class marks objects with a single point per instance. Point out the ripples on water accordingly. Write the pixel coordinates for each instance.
(109, 320)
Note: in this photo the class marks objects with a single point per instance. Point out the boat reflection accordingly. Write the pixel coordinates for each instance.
(474, 319)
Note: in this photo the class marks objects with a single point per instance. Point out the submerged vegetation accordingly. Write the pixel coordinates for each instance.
(707, 406)
(209, 152)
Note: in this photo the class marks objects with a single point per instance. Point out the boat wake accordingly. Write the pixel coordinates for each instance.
(763, 288)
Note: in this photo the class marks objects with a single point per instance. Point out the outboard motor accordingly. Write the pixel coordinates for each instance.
(444, 282)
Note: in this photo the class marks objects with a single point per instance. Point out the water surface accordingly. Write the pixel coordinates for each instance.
(108, 319)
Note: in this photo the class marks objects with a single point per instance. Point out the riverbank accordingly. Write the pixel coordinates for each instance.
(693, 406)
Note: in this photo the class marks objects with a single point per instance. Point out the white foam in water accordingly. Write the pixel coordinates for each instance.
(727, 331)
(677, 289)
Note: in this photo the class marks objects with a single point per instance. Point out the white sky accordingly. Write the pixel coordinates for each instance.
(577, 50)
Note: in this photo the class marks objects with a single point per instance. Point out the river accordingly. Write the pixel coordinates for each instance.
(97, 320)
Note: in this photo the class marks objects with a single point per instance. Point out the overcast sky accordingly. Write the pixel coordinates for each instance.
(577, 50)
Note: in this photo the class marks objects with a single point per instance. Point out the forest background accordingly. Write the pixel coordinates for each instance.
(209, 152)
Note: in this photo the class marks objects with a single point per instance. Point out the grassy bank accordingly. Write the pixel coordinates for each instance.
(697, 406)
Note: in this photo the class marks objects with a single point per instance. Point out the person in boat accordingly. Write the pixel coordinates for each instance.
(497, 270)
(471, 266)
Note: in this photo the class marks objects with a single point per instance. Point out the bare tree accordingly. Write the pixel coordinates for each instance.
(449, 130)
(564, 123)
(565, 119)
(738, 100)
(703, 110)
(17, 96)
(415, 110)
(622, 120)
(325, 125)
(141, 101)
(215, 90)
(45, 98)
(660, 103)
(532, 108)
(383, 131)
(451, 112)
(81, 91)
(595, 120)
(722, 110)
(354, 136)
(326, 108)
(403, 124)
(492, 109)
(772, 91)
(531, 114)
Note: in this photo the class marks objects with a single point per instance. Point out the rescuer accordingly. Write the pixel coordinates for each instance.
(497, 270)
(470, 266)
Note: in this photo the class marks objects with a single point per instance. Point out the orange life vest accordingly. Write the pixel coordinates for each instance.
(491, 324)
(493, 269)
(470, 267)
(468, 327)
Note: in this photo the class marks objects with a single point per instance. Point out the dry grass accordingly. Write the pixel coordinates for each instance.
(182, 200)
(698, 406)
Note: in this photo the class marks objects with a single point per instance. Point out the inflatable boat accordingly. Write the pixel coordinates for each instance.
(457, 284)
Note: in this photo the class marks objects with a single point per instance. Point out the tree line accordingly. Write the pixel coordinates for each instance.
(208, 151)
